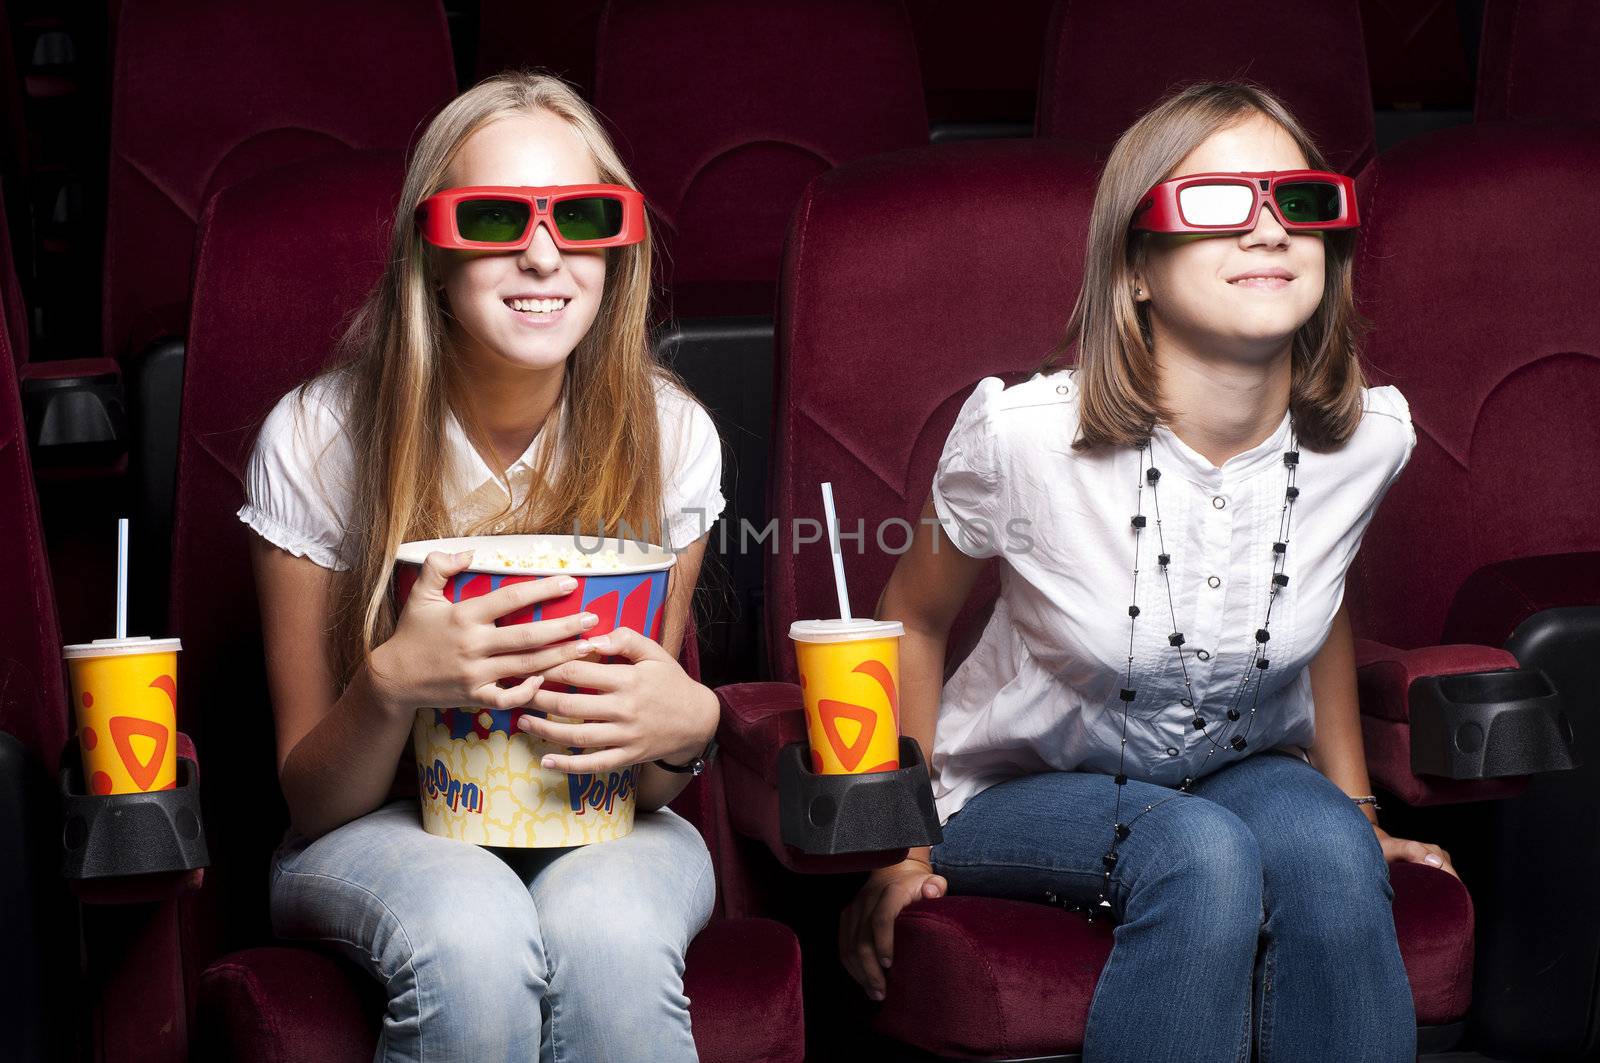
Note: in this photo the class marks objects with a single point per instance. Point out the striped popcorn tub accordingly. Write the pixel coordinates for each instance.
(479, 777)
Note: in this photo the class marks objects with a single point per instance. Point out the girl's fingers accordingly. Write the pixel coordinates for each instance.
(580, 706)
(595, 763)
(493, 696)
(628, 643)
(437, 568)
(519, 664)
(539, 634)
(588, 736)
(607, 678)
(515, 597)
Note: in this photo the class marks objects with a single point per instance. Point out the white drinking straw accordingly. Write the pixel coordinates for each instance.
(122, 577)
(833, 544)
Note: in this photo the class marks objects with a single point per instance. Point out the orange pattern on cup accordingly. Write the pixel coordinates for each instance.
(127, 720)
(852, 702)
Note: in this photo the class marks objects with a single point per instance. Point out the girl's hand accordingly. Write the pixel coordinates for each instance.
(1398, 849)
(646, 708)
(445, 654)
(866, 927)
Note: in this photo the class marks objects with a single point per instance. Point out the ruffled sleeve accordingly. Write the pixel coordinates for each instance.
(966, 484)
(691, 468)
(298, 483)
(1392, 407)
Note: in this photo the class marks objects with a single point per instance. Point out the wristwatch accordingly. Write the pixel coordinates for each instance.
(695, 767)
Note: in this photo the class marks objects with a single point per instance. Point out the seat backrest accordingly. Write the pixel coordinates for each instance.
(265, 243)
(33, 700)
(1537, 60)
(1488, 328)
(724, 110)
(1108, 61)
(554, 36)
(205, 93)
(881, 340)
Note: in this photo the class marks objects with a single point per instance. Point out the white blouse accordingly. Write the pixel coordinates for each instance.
(298, 485)
(1040, 692)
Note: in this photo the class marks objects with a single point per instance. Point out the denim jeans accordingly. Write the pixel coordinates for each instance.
(561, 955)
(1259, 905)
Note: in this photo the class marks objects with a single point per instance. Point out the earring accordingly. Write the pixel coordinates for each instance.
(1138, 292)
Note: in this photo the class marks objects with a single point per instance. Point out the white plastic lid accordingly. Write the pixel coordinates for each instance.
(120, 647)
(844, 630)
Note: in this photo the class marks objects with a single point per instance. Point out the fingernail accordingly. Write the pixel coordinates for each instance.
(567, 583)
(1434, 860)
(548, 764)
(581, 646)
(885, 960)
(876, 994)
(464, 555)
(587, 621)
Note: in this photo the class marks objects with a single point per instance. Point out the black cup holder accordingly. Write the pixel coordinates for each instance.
(1489, 725)
(829, 815)
(112, 835)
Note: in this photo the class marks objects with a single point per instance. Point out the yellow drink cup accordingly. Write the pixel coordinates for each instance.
(850, 681)
(125, 695)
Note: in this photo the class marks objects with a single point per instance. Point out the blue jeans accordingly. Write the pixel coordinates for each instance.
(563, 955)
(1261, 896)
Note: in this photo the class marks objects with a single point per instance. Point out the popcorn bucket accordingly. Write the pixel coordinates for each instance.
(479, 777)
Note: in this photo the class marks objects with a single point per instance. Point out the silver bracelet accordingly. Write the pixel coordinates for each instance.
(1368, 800)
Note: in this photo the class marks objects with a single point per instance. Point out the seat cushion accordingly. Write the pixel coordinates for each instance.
(1433, 920)
(283, 1003)
(743, 984)
(977, 976)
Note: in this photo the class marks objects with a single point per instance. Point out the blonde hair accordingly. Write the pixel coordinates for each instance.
(401, 374)
(1117, 375)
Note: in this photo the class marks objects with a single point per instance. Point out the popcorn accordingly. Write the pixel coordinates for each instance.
(561, 559)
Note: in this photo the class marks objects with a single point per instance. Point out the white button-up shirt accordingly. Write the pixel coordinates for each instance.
(1040, 692)
(298, 485)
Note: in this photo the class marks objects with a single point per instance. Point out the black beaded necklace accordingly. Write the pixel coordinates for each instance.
(1254, 672)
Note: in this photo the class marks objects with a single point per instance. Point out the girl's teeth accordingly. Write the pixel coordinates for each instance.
(536, 306)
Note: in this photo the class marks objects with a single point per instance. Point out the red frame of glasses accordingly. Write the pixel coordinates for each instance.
(1159, 210)
(436, 215)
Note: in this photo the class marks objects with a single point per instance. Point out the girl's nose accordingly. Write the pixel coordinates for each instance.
(1269, 230)
(541, 255)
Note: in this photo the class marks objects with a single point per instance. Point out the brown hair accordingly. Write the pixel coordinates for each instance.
(1117, 375)
(402, 372)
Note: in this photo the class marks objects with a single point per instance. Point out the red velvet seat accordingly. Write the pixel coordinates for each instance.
(725, 109)
(868, 340)
(263, 244)
(558, 37)
(1492, 536)
(1108, 61)
(1537, 61)
(204, 94)
(35, 920)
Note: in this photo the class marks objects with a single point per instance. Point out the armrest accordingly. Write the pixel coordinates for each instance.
(1433, 739)
(758, 721)
(161, 832)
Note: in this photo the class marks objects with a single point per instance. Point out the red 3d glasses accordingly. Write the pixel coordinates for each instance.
(504, 218)
(1302, 200)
